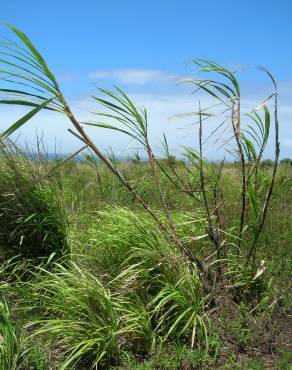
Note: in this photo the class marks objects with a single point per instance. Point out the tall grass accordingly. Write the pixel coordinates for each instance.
(127, 292)
(32, 222)
(11, 343)
(121, 295)
(156, 248)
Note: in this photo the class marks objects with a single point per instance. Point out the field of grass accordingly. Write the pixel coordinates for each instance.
(116, 293)
(146, 264)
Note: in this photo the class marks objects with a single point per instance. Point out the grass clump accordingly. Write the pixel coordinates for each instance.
(11, 343)
(116, 238)
(80, 314)
(129, 292)
(32, 222)
(94, 324)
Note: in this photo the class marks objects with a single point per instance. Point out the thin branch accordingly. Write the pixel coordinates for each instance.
(65, 160)
(190, 192)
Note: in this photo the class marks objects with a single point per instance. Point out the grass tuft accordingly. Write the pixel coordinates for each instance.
(32, 221)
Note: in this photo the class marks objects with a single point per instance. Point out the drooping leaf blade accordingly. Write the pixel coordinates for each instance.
(35, 53)
(24, 119)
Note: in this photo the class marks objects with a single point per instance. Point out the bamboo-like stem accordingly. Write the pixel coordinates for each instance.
(263, 214)
(112, 168)
(218, 211)
(237, 132)
(211, 230)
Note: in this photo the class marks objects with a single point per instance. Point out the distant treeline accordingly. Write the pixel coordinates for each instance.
(135, 159)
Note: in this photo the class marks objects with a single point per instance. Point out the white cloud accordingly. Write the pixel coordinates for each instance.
(133, 76)
(66, 76)
(161, 108)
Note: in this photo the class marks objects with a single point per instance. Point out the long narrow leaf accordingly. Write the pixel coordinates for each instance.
(24, 119)
(35, 52)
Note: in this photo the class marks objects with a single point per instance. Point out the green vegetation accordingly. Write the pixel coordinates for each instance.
(32, 222)
(125, 298)
(143, 264)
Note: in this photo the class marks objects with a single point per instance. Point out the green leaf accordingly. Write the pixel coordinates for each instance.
(24, 119)
(133, 119)
(30, 79)
(133, 108)
(209, 66)
(111, 127)
(24, 102)
(255, 135)
(267, 124)
(210, 92)
(252, 199)
(117, 109)
(25, 70)
(35, 53)
(23, 58)
(20, 92)
(249, 148)
(165, 146)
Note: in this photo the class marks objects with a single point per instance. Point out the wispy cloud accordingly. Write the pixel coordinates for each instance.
(134, 76)
(161, 107)
(66, 76)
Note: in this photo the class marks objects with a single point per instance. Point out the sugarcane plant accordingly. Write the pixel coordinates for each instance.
(245, 137)
(26, 80)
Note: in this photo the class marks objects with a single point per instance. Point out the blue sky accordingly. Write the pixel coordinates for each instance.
(143, 46)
